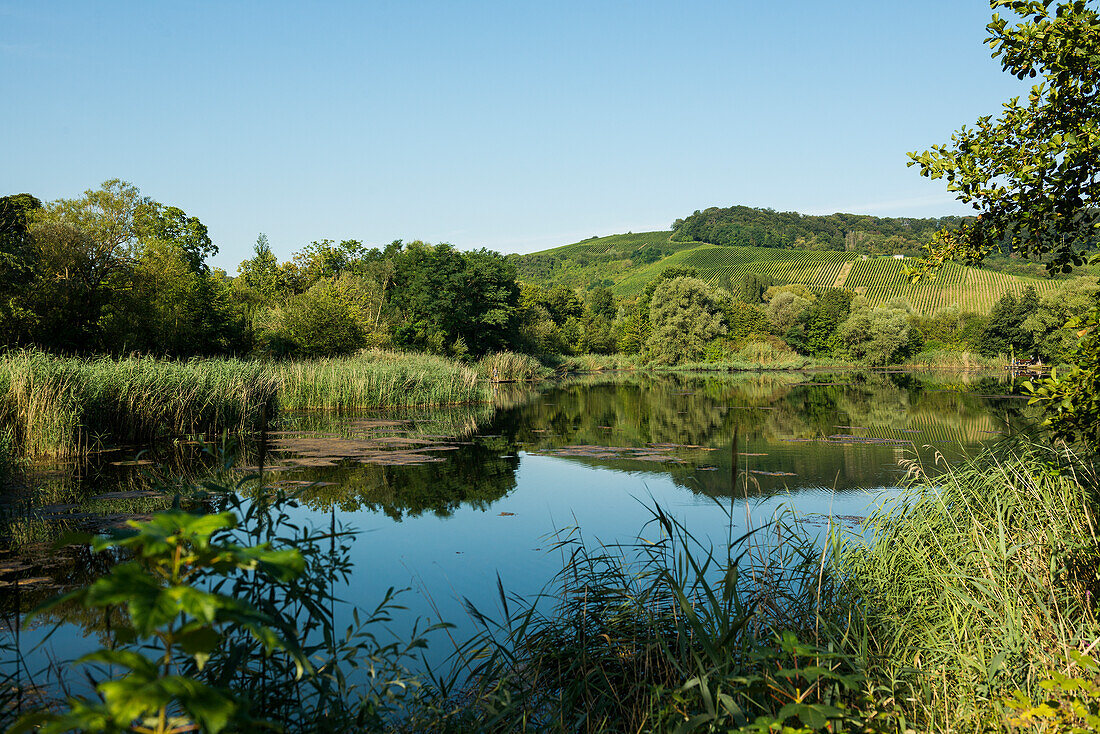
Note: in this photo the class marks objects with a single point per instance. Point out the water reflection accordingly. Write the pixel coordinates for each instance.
(595, 452)
(842, 431)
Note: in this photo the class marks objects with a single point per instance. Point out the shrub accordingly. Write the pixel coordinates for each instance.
(334, 317)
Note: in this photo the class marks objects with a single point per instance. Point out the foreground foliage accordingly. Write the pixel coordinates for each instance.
(966, 604)
(224, 621)
(980, 581)
(1032, 171)
(1034, 175)
(181, 624)
(969, 591)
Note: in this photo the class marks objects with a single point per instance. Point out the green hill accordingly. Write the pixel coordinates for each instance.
(627, 262)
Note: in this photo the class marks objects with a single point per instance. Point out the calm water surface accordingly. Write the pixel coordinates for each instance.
(447, 500)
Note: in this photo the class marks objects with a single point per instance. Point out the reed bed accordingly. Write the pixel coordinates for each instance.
(510, 367)
(980, 581)
(57, 407)
(597, 363)
(949, 359)
(378, 379)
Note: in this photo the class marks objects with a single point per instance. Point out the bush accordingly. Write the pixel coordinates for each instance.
(879, 335)
(332, 318)
(786, 304)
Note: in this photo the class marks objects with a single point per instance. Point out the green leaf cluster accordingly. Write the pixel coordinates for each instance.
(172, 626)
(1032, 172)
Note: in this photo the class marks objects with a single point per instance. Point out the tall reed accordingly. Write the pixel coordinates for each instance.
(510, 367)
(64, 406)
(597, 362)
(59, 406)
(979, 581)
(378, 379)
(671, 632)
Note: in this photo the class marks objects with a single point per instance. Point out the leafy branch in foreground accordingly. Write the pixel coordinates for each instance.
(1072, 397)
(1072, 703)
(173, 621)
(228, 623)
(1034, 172)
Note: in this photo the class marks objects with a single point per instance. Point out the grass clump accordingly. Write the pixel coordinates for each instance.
(596, 363)
(377, 379)
(952, 359)
(510, 367)
(58, 407)
(981, 581)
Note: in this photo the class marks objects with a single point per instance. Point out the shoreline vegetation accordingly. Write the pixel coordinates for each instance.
(67, 406)
(966, 604)
(57, 407)
(915, 620)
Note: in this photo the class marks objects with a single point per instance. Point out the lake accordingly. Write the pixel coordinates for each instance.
(448, 500)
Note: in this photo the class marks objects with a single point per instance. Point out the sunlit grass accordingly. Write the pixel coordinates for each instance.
(59, 406)
(981, 580)
(510, 367)
(377, 379)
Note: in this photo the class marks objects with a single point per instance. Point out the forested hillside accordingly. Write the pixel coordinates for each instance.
(754, 227)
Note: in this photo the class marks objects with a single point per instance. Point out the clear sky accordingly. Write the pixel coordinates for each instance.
(512, 125)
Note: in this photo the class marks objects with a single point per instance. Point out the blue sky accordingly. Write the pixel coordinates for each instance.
(512, 125)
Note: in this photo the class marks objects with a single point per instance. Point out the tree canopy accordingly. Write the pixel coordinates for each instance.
(756, 227)
(1033, 174)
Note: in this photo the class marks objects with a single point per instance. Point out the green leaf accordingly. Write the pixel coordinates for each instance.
(199, 642)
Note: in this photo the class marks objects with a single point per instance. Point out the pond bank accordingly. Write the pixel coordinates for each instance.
(61, 406)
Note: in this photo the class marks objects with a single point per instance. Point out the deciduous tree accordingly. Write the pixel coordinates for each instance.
(1033, 173)
(685, 315)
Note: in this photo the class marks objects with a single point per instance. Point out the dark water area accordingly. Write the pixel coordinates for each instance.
(448, 500)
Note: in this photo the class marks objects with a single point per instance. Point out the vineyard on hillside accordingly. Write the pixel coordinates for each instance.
(618, 261)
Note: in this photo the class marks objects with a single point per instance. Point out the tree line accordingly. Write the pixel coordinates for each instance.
(114, 271)
(757, 227)
(117, 272)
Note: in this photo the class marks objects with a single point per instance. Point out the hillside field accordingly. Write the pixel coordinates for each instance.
(626, 262)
